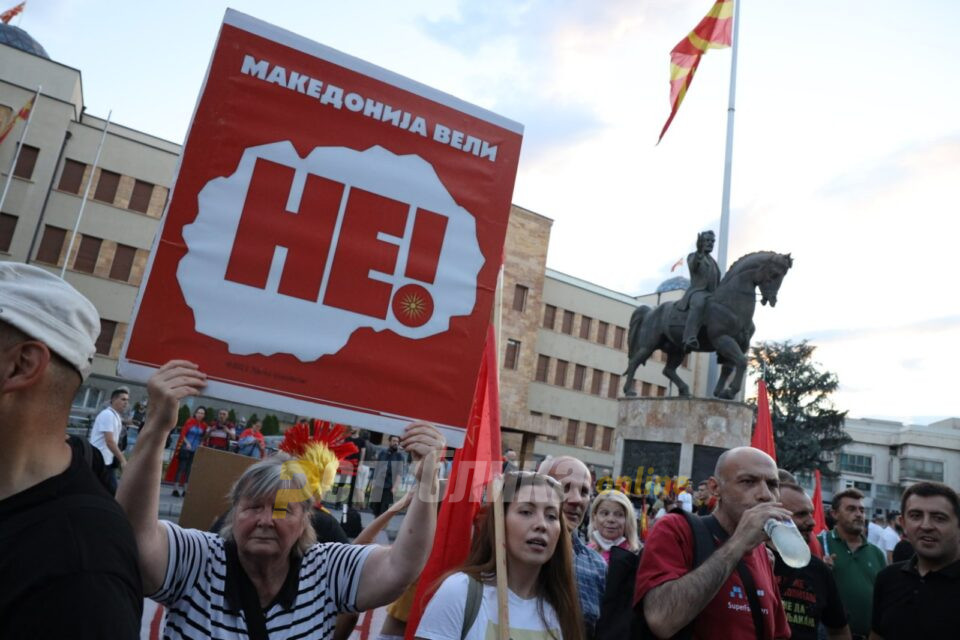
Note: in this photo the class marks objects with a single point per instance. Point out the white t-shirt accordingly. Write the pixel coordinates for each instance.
(875, 534)
(686, 501)
(889, 539)
(108, 421)
(443, 618)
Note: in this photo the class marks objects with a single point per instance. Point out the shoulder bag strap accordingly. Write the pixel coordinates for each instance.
(746, 578)
(472, 606)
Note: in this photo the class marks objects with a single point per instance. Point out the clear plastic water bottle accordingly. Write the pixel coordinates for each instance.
(789, 543)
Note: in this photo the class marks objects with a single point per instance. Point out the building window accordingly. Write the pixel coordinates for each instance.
(567, 326)
(661, 391)
(536, 414)
(107, 186)
(921, 469)
(26, 162)
(560, 378)
(51, 244)
(857, 463)
(579, 377)
(513, 354)
(8, 224)
(105, 341)
(602, 329)
(614, 386)
(71, 178)
(585, 323)
(520, 298)
(618, 337)
(646, 390)
(87, 254)
(543, 365)
(590, 435)
(122, 262)
(549, 316)
(88, 397)
(140, 198)
(572, 427)
(607, 444)
(596, 384)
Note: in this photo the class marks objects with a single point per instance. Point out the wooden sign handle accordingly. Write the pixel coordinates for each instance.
(500, 552)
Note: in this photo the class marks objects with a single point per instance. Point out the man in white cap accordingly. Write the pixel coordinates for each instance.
(68, 558)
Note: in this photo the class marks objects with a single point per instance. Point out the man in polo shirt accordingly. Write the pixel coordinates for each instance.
(918, 598)
(589, 567)
(809, 594)
(68, 558)
(856, 562)
(713, 597)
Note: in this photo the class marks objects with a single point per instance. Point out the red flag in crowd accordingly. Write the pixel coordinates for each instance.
(713, 32)
(763, 432)
(11, 13)
(473, 466)
(23, 114)
(819, 523)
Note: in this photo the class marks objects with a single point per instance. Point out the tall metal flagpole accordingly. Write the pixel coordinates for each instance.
(16, 155)
(86, 192)
(727, 173)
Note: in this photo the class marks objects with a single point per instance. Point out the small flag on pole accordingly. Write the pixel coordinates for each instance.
(713, 32)
(676, 265)
(23, 114)
(11, 13)
(763, 432)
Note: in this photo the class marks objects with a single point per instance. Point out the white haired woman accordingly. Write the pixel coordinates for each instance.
(263, 576)
(613, 523)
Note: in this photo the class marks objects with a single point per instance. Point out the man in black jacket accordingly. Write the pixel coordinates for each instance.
(68, 559)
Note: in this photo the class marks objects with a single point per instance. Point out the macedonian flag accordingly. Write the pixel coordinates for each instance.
(713, 32)
(23, 114)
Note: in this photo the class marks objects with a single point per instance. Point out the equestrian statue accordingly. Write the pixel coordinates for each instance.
(714, 315)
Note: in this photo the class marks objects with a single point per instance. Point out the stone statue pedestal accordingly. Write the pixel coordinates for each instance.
(677, 436)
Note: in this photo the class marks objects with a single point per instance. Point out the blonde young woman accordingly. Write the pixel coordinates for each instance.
(613, 523)
(542, 599)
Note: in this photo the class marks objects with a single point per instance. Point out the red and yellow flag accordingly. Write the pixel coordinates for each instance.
(23, 114)
(11, 13)
(713, 32)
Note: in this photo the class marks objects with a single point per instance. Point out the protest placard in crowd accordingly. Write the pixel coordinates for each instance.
(333, 239)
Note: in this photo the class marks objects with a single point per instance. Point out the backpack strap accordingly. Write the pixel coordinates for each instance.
(746, 577)
(472, 606)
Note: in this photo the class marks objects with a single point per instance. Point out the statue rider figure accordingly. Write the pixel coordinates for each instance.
(704, 278)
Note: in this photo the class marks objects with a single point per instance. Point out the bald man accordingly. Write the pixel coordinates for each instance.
(591, 570)
(712, 598)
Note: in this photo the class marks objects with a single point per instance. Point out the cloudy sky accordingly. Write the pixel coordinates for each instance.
(847, 146)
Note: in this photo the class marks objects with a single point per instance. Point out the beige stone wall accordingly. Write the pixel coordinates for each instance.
(525, 258)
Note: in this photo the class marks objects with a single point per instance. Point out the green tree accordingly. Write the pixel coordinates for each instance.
(805, 422)
(183, 415)
(271, 425)
(232, 417)
(252, 419)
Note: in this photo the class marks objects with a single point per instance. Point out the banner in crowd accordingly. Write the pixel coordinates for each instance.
(333, 239)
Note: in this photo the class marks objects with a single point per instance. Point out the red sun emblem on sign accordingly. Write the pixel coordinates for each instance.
(412, 305)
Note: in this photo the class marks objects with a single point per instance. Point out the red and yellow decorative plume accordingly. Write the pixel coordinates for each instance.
(316, 456)
(713, 32)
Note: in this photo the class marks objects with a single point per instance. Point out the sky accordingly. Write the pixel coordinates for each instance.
(846, 149)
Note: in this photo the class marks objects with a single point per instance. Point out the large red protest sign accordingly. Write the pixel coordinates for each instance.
(332, 243)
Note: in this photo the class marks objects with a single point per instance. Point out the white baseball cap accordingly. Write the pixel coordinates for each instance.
(48, 309)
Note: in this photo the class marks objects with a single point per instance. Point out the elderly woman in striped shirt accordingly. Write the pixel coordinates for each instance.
(264, 576)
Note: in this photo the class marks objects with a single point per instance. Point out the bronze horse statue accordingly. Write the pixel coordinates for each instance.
(727, 323)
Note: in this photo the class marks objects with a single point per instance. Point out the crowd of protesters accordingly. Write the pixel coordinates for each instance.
(579, 561)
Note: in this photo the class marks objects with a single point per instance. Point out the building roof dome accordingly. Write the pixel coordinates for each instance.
(677, 283)
(19, 39)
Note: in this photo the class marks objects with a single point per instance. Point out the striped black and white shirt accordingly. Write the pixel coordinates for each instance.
(202, 589)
